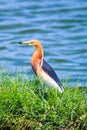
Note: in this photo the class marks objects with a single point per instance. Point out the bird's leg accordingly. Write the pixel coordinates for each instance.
(42, 86)
(43, 90)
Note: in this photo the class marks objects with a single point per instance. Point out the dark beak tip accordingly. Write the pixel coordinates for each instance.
(20, 42)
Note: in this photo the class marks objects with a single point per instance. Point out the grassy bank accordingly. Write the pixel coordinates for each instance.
(25, 105)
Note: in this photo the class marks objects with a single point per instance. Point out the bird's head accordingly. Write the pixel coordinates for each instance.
(35, 43)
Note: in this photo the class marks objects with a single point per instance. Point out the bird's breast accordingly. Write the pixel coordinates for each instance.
(35, 65)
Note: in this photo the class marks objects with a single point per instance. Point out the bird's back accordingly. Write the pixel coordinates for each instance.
(49, 70)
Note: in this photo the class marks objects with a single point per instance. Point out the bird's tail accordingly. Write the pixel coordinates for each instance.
(60, 88)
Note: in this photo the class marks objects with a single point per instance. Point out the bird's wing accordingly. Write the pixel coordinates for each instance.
(48, 69)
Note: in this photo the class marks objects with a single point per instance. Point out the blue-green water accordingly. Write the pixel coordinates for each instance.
(60, 25)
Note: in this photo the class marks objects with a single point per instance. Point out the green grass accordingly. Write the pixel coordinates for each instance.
(25, 105)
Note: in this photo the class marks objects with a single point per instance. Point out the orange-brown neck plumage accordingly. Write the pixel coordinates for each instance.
(37, 57)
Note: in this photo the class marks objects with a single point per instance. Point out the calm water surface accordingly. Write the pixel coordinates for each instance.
(61, 26)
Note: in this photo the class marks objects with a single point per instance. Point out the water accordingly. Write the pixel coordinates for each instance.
(61, 26)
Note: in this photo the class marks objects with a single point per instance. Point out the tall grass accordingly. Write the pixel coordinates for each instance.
(25, 105)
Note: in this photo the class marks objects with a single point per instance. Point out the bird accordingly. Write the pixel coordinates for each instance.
(41, 68)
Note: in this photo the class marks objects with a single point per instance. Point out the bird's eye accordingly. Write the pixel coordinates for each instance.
(30, 43)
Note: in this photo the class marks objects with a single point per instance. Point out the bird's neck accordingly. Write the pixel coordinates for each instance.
(37, 58)
(38, 54)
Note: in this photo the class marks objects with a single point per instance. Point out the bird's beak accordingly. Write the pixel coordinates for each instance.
(23, 42)
(26, 42)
